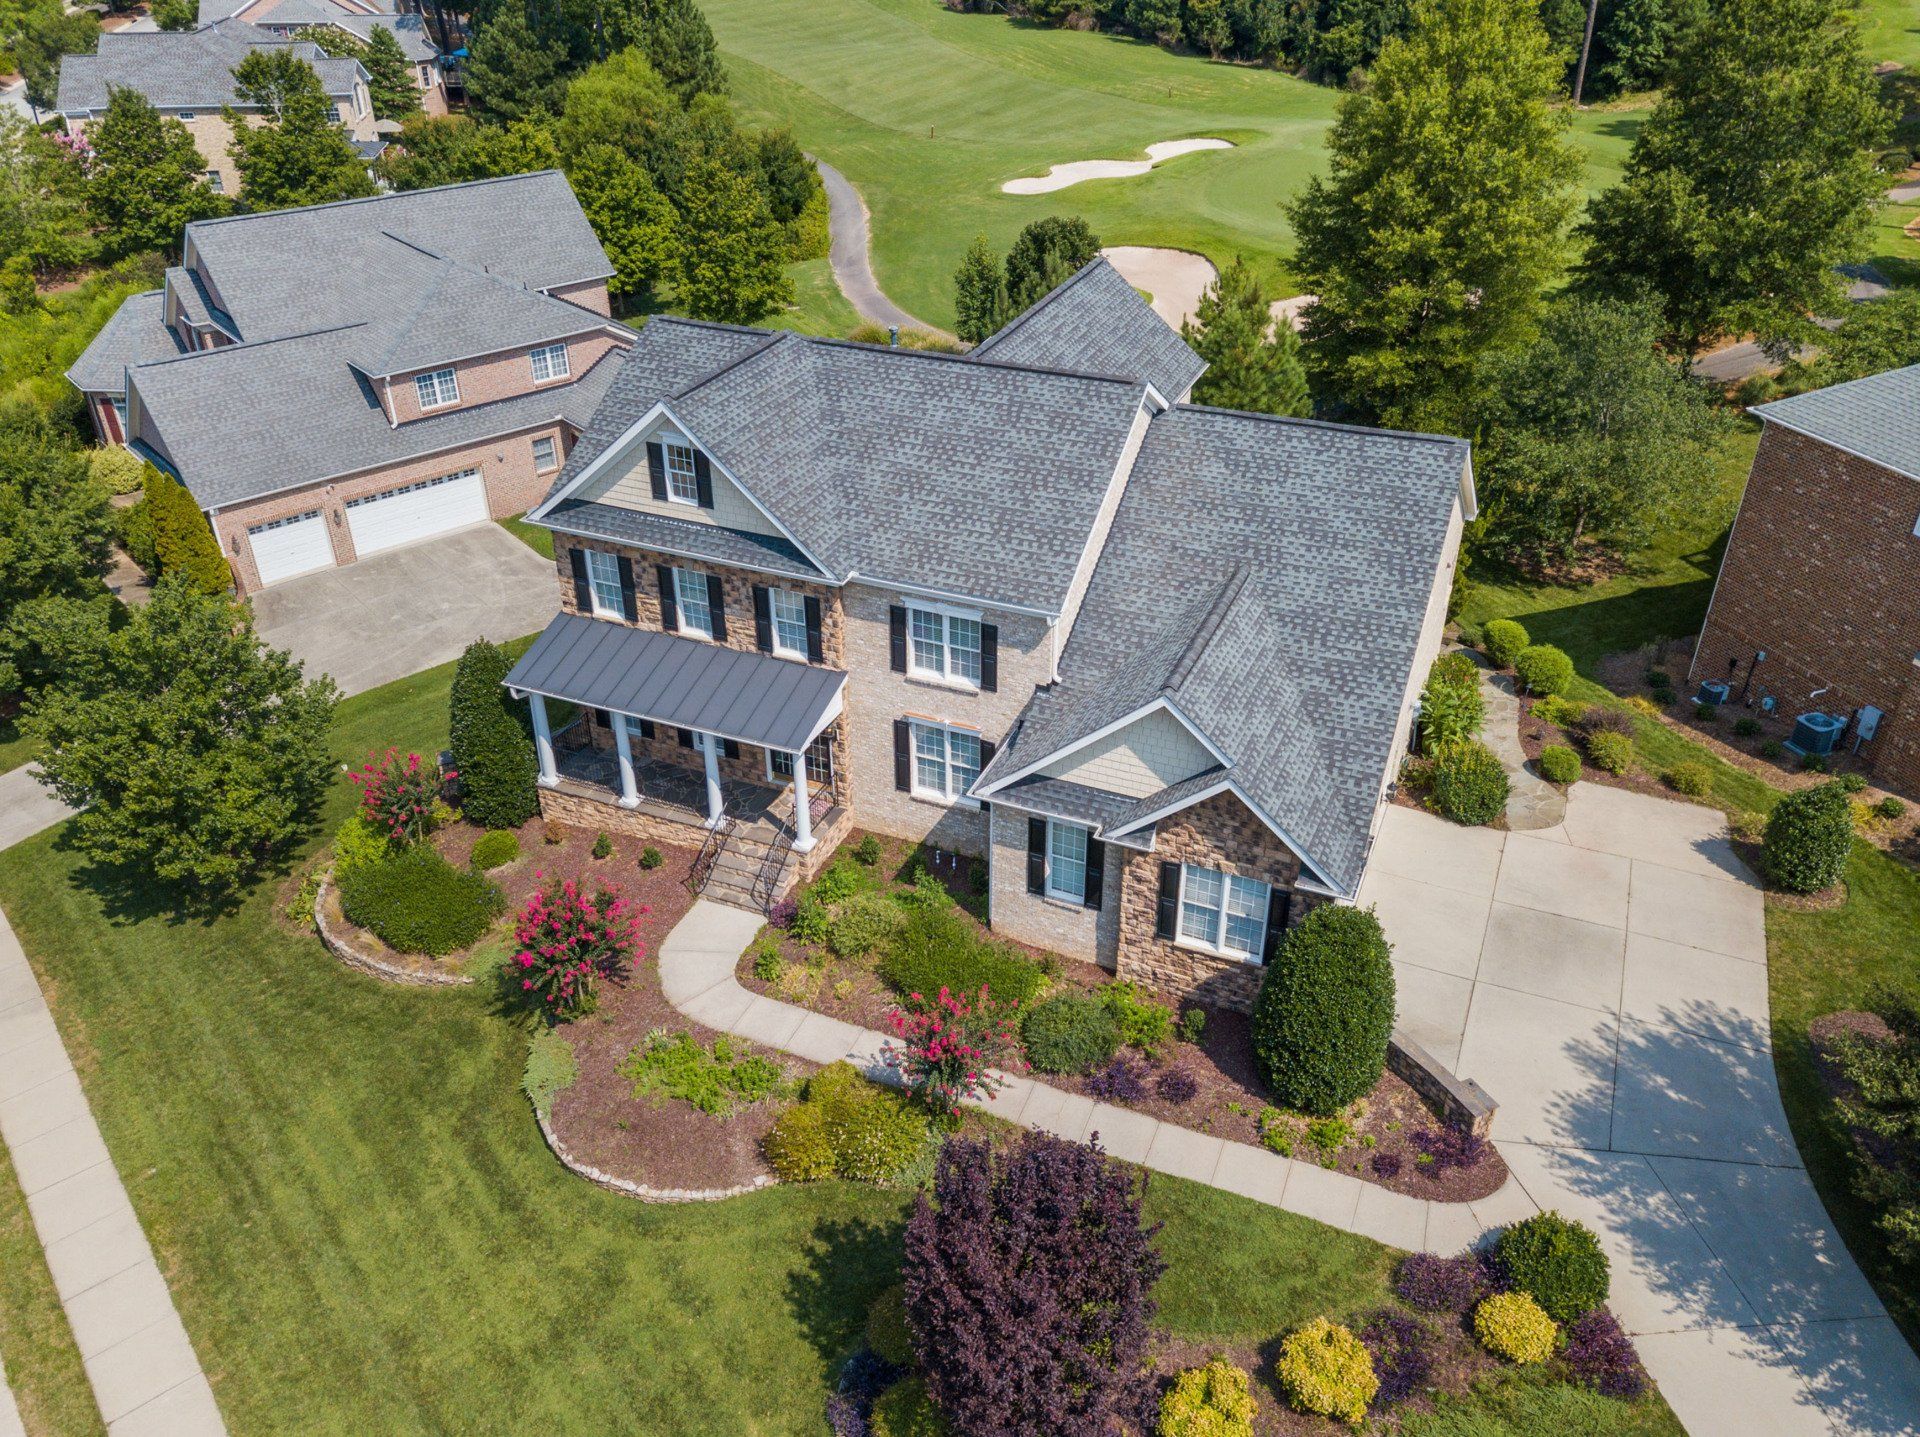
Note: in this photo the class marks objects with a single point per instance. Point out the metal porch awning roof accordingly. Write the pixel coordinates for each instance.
(751, 698)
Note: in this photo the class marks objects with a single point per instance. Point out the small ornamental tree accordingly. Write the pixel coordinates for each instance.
(1809, 835)
(1325, 1008)
(491, 740)
(940, 1056)
(565, 943)
(397, 795)
(1029, 1276)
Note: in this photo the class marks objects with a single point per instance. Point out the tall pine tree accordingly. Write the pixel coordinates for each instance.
(980, 292)
(389, 75)
(1253, 360)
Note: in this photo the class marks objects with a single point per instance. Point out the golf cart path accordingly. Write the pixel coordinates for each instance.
(849, 254)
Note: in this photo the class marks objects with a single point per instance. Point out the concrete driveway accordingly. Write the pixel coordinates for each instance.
(1606, 981)
(410, 609)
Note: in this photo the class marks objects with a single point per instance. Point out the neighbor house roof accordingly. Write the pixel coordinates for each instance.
(1095, 323)
(135, 334)
(184, 69)
(1877, 418)
(358, 18)
(1282, 626)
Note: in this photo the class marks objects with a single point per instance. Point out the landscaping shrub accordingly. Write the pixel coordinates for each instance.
(495, 849)
(603, 845)
(867, 850)
(1881, 1104)
(1193, 1022)
(1600, 1355)
(844, 1126)
(1604, 718)
(1809, 835)
(553, 832)
(811, 921)
(1557, 1262)
(1544, 669)
(941, 948)
(1746, 727)
(1177, 1085)
(1468, 784)
(1450, 706)
(1325, 1369)
(1402, 1349)
(710, 1076)
(866, 921)
(782, 914)
(1209, 1401)
(1706, 713)
(1772, 748)
(1559, 764)
(550, 1069)
(1143, 1023)
(767, 962)
(1813, 763)
(887, 1331)
(491, 737)
(1051, 1230)
(1558, 710)
(357, 843)
(906, 1410)
(1325, 1008)
(651, 858)
(1504, 641)
(565, 943)
(838, 880)
(1449, 1146)
(1455, 669)
(397, 795)
(1442, 1284)
(1890, 808)
(1512, 1325)
(1070, 1033)
(1124, 1080)
(415, 901)
(1385, 1165)
(1611, 751)
(941, 1055)
(1852, 783)
(1692, 779)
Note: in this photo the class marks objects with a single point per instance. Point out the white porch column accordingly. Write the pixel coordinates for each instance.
(710, 747)
(802, 807)
(623, 746)
(543, 741)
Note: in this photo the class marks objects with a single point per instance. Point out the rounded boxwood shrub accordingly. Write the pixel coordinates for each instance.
(1611, 751)
(1544, 669)
(497, 847)
(887, 1331)
(905, 1410)
(1890, 807)
(1692, 779)
(1809, 835)
(1555, 1261)
(1512, 1325)
(865, 922)
(491, 738)
(1325, 1008)
(939, 946)
(417, 902)
(1325, 1369)
(1469, 783)
(1559, 764)
(1209, 1401)
(1558, 710)
(846, 1127)
(1069, 1034)
(1504, 640)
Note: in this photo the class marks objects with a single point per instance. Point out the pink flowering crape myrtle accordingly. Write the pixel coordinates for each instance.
(941, 1053)
(565, 942)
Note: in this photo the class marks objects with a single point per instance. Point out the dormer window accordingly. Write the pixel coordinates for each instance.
(438, 389)
(549, 363)
(683, 479)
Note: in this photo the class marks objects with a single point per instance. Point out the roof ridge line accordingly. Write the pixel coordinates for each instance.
(774, 337)
(226, 349)
(973, 357)
(1307, 422)
(1041, 303)
(1209, 625)
(370, 199)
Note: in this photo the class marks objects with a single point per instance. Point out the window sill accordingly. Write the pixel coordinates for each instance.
(933, 800)
(1188, 945)
(1072, 905)
(935, 681)
(553, 379)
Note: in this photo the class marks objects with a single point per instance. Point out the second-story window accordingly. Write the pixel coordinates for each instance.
(437, 389)
(550, 362)
(944, 646)
(789, 613)
(690, 594)
(683, 479)
(604, 572)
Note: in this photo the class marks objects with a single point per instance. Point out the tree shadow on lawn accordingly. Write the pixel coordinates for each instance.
(130, 895)
(847, 1264)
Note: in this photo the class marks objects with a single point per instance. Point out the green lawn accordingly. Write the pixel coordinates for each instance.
(15, 747)
(1890, 30)
(36, 1347)
(365, 1233)
(928, 111)
(536, 537)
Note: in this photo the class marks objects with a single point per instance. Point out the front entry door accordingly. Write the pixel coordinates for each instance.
(819, 765)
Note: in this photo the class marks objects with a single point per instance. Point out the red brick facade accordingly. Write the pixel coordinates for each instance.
(1822, 571)
(491, 377)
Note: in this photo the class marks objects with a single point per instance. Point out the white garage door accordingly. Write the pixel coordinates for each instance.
(297, 544)
(416, 511)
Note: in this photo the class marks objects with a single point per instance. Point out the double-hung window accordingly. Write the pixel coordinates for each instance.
(549, 362)
(943, 646)
(437, 389)
(945, 761)
(546, 454)
(690, 596)
(603, 573)
(789, 613)
(1223, 912)
(683, 480)
(1066, 861)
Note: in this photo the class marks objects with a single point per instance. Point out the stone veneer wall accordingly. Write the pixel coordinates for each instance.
(1073, 929)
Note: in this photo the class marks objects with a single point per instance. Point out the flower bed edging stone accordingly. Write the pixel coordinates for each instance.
(343, 949)
(626, 1187)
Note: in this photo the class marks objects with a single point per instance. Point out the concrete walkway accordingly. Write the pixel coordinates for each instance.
(27, 805)
(1532, 802)
(10, 1423)
(850, 255)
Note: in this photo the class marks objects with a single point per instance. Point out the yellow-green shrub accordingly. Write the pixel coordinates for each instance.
(887, 1331)
(845, 1126)
(1210, 1401)
(905, 1410)
(1324, 1368)
(1516, 1327)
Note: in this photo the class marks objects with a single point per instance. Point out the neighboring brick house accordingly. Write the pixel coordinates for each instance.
(1153, 663)
(354, 19)
(187, 75)
(334, 381)
(1822, 571)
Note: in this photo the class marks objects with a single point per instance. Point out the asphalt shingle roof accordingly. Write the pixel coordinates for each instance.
(1094, 323)
(134, 335)
(409, 30)
(1877, 417)
(666, 534)
(183, 69)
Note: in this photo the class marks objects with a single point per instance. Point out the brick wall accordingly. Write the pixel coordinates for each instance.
(1073, 929)
(1823, 572)
(495, 377)
(588, 294)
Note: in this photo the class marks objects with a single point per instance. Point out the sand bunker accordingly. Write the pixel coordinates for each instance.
(1176, 280)
(1060, 176)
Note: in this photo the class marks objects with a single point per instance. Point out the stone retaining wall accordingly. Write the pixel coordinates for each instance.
(344, 948)
(1460, 1101)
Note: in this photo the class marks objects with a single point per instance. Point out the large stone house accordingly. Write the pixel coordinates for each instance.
(1817, 606)
(1153, 664)
(333, 381)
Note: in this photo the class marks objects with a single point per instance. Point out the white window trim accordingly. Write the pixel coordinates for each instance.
(1061, 895)
(434, 377)
(555, 372)
(600, 610)
(956, 799)
(946, 613)
(682, 576)
(668, 444)
(1180, 938)
(780, 650)
(553, 447)
(785, 778)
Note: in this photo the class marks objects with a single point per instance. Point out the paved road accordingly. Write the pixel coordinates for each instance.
(850, 254)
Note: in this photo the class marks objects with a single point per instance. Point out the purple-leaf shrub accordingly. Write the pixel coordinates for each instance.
(1386, 1165)
(1442, 1284)
(844, 1417)
(1402, 1349)
(1600, 1354)
(1177, 1085)
(1121, 1081)
(1029, 1275)
(1451, 1146)
(781, 914)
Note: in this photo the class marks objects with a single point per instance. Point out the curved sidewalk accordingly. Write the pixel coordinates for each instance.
(850, 254)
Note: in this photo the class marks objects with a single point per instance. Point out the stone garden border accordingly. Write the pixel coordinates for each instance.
(344, 949)
(625, 1187)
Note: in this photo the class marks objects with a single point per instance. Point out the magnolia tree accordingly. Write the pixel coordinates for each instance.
(565, 943)
(397, 795)
(941, 1054)
(1028, 1277)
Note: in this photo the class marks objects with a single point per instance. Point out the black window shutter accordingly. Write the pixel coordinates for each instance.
(1168, 911)
(816, 644)
(989, 657)
(987, 751)
(1036, 855)
(685, 737)
(902, 756)
(729, 748)
(657, 471)
(1279, 909)
(600, 718)
(1096, 870)
(669, 606)
(646, 728)
(629, 604)
(762, 619)
(717, 606)
(582, 590)
(897, 620)
(703, 479)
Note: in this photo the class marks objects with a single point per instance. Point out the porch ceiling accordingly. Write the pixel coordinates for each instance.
(751, 698)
